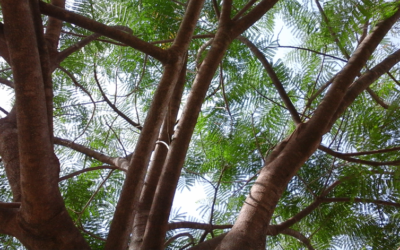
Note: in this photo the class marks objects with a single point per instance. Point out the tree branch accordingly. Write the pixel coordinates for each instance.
(376, 98)
(41, 200)
(372, 152)
(77, 46)
(377, 202)
(120, 163)
(216, 8)
(350, 159)
(88, 170)
(276, 229)
(299, 236)
(104, 30)
(72, 77)
(196, 225)
(53, 29)
(252, 16)
(3, 45)
(126, 118)
(121, 225)
(334, 98)
(157, 163)
(313, 51)
(275, 80)
(7, 82)
(364, 81)
(4, 111)
(10, 204)
(170, 240)
(209, 244)
(243, 10)
(332, 32)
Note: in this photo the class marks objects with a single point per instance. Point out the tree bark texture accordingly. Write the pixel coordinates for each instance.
(42, 209)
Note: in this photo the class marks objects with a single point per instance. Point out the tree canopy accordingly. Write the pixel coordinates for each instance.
(117, 105)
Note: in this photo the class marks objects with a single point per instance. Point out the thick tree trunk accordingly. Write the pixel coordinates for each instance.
(42, 219)
(124, 214)
(160, 153)
(158, 219)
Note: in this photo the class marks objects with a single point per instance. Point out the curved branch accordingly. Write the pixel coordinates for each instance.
(10, 204)
(377, 99)
(121, 163)
(116, 110)
(275, 80)
(170, 240)
(7, 82)
(84, 90)
(372, 152)
(364, 81)
(243, 10)
(4, 111)
(299, 236)
(88, 170)
(276, 229)
(350, 159)
(111, 32)
(377, 202)
(313, 51)
(331, 31)
(330, 106)
(196, 225)
(75, 47)
(252, 16)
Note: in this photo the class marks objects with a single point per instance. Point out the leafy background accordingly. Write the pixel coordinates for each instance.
(242, 119)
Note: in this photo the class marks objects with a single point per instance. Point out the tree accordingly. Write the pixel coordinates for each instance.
(300, 151)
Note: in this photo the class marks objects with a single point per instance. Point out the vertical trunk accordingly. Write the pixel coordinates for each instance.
(39, 181)
(124, 214)
(44, 64)
(158, 219)
(53, 29)
(160, 153)
(44, 222)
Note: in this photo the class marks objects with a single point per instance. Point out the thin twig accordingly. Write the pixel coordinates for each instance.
(221, 78)
(377, 99)
(75, 81)
(136, 125)
(311, 50)
(244, 9)
(256, 139)
(88, 170)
